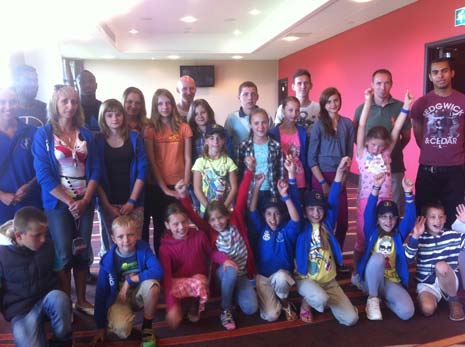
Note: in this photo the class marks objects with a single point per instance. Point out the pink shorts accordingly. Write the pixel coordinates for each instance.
(195, 286)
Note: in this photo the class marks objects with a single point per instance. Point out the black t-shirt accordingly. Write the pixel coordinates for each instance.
(118, 164)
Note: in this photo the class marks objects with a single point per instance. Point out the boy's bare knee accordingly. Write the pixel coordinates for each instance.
(442, 268)
(427, 304)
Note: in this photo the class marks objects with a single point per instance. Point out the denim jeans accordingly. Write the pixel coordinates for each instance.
(63, 228)
(240, 285)
(28, 329)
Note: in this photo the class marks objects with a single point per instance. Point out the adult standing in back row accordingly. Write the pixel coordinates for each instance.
(438, 126)
(384, 111)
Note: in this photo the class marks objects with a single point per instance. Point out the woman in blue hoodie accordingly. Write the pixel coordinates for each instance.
(68, 172)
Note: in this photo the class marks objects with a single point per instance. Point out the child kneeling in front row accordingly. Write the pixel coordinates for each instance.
(276, 244)
(383, 266)
(129, 278)
(437, 252)
(28, 282)
(318, 252)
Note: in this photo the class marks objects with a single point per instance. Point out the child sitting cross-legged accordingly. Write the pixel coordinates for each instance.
(276, 243)
(27, 284)
(437, 253)
(318, 252)
(129, 279)
(383, 266)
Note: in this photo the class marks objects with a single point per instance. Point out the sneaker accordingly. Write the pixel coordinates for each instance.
(372, 309)
(456, 311)
(289, 312)
(356, 281)
(148, 338)
(227, 320)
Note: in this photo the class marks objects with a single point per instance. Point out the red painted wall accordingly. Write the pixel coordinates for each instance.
(395, 41)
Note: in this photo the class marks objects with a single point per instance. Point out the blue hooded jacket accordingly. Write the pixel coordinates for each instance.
(46, 164)
(108, 281)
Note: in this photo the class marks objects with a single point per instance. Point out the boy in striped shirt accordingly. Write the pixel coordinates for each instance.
(437, 253)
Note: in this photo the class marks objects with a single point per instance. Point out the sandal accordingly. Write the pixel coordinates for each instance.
(306, 315)
(289, 312)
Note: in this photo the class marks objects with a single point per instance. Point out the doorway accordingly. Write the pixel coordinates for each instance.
(453, 48)
(282, 90)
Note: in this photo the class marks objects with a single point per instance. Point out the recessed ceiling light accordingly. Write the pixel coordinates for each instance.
(134, 31)
(188, 19)
(291, 38)
(254, 12)
(108, 56)
(237, 57)
(173, 57)
(237, 32)
(153, 58)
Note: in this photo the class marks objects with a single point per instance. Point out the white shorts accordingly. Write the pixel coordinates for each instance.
(435, 289)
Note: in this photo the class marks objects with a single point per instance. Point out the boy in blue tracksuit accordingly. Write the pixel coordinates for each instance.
(275, 251)
(129, 278)
(318, 252)
(383, 267)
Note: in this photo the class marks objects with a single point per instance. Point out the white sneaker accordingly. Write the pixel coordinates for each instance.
(372, 309)
(356, 281)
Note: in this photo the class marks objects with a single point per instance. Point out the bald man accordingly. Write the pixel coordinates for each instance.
(186, 88)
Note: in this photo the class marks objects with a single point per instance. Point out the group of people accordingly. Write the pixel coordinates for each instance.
(263, 199)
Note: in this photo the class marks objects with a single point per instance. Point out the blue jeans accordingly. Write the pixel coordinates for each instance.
(63, 228)
(240, 285)
(28, 329)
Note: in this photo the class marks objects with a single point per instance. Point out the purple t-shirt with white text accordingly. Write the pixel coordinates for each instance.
(443, 128)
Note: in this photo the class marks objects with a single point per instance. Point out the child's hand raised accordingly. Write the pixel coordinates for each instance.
(379, 179)
(419, 227)
(259, 179)
(251, 163)
(283, 187)
(181, 188)
(368, 93)
(460, 213)
(290, 166)
(408, 100)
(344, 164)
(407, 184)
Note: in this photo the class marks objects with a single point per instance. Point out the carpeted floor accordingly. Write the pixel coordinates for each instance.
(435, 331)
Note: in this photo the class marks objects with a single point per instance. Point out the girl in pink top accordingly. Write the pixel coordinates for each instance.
(374, 157)
(185, 254)
(169, 151)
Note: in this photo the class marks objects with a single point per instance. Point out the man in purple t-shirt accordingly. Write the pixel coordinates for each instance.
(438, 126)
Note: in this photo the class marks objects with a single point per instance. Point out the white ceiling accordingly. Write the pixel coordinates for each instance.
(161, 33)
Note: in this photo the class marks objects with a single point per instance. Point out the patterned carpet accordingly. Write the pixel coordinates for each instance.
(435, 331)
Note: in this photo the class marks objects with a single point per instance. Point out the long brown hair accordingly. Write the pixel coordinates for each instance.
(142, 116)
(175, 119)
(325, 119)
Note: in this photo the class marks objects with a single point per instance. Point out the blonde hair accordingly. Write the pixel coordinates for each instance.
(112, 105)
(124, 221)
(175, 119)
(54, 116)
